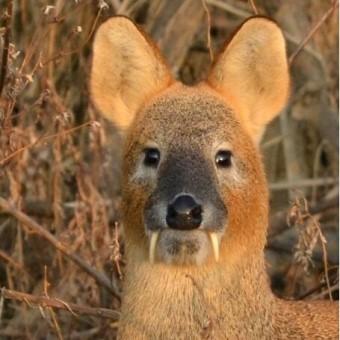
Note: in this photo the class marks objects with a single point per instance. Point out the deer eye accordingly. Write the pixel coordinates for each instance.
(223, 158)
(151, 157)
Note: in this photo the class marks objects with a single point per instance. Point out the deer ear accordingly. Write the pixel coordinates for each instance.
(126, 70)
(253, 72)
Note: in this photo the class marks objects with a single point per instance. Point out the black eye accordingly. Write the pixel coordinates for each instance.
(152, 157)
(223, 158)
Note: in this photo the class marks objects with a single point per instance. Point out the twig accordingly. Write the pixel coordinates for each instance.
(278, 223)
(43, 139)
(316, 166)
(53, 316)
(61, 18)
(206, 9)
(7, 35)
(117, 256)
(245, 14)
(55, 324)
(272, 142)
(43, 301)
(293, 159)
(100, 278)
(78, 49)
(324, 255)
(12, 262)
(325, 292)
(313, 30)
(286, 248)
(1, 307)
(253, 6)
(229, 8)
(312, 291)
(305, 182)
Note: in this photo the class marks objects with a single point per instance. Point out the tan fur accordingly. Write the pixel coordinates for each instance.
(125, 71)
(242, 71)
(230, 299)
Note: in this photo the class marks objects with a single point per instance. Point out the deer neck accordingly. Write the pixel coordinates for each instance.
(217, 302)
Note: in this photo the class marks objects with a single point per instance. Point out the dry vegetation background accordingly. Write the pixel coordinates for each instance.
(60, 237)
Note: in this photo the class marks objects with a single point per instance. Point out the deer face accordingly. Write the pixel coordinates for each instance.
(187, 152)
(193, 189)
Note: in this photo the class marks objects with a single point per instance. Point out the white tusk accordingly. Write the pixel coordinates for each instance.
(215, 245)
(153, 244)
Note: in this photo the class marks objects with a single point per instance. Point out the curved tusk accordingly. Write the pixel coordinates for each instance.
(215, 245)
(153, 244)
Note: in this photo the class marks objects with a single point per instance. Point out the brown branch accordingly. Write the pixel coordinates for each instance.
(43, 139)
(63, 54)
(253, 6)
(7, 36)
(206, 9)
(100, 278)
(302, 182)
(310, 292)
(324, 256)
(12, 262)
(285, 247)
(43, 301)
(323, 294)
(313, 30)
(278, 222)
(246, 14)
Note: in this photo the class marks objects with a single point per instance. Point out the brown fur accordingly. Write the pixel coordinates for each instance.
(249, 84)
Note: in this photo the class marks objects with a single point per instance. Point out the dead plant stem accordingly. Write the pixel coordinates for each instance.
(43, 139)
(99, 277)
(7, 37)
(313, 30)
(43, 301)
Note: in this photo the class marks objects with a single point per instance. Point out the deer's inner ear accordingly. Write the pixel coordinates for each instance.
(126, 70)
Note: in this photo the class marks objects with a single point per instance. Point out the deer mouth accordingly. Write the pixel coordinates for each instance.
(184, 230)
(183, 247)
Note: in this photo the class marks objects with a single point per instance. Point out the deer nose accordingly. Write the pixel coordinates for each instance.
(184, 213)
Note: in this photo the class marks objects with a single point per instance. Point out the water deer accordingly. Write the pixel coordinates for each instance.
(195, 198)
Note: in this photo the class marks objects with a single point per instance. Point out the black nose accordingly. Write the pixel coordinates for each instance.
(184, 213)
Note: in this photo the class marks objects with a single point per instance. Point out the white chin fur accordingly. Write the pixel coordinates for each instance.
(161, 247)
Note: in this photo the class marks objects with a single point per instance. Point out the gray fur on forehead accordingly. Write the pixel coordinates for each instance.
(188, 114)
(187, 169)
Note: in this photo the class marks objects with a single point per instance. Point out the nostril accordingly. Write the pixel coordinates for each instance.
(184, 213)
(171, 211)
(197, 212)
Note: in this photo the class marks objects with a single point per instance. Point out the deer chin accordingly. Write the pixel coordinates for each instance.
(183, 248)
